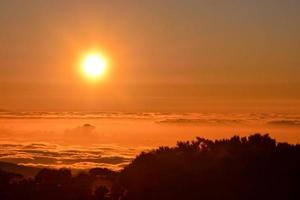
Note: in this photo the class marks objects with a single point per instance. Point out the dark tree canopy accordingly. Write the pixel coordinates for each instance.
(50, 184)
(238, 168)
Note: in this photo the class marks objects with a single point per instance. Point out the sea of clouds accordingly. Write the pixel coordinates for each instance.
(83, 140)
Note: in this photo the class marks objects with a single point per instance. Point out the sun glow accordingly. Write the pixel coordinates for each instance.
(94, 66)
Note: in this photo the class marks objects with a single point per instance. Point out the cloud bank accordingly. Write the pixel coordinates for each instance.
(56, 156)
(83, 140)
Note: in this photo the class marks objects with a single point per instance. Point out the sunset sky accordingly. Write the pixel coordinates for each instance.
(88, 83)
(192, 55)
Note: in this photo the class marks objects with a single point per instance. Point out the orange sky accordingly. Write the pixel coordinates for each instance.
(165, 55)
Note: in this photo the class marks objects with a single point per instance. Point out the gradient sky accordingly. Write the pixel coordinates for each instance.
(166, 55)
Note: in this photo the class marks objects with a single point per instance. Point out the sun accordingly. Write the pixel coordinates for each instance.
(94, 66)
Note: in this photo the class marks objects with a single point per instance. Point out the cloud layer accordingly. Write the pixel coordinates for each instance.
(56, 156)
(83, 140)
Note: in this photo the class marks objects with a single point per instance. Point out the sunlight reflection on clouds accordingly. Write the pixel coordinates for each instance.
(97, 139)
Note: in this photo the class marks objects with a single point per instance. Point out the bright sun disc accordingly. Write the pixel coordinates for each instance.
(94, 66)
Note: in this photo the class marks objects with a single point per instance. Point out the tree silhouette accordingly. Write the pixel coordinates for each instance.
(237, 168)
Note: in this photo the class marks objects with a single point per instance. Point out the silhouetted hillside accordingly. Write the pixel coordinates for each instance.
(237, 168)
(51, 184)
(19, 169)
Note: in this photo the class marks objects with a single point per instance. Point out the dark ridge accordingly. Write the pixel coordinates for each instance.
(19, 169)
(254, 167)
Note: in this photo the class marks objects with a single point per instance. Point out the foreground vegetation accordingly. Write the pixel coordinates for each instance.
(237, 168)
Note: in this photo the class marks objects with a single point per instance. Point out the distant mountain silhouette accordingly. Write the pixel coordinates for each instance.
(19, 169)
(254, 167)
